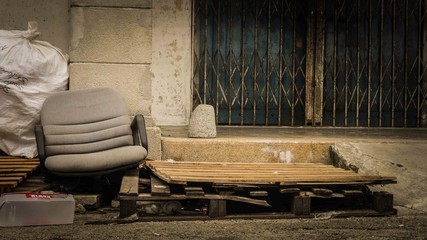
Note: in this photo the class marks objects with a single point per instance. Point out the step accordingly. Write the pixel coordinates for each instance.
(244, 150)
(274, 144)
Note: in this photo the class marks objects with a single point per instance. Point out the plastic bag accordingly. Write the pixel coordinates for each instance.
(30, 70)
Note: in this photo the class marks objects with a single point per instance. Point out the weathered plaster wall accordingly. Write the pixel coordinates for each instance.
(171, 62)
(52, 17)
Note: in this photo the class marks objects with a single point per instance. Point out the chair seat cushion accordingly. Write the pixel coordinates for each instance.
(102, 161)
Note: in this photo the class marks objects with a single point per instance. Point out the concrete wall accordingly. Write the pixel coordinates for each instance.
(111, 47)
(52, 17)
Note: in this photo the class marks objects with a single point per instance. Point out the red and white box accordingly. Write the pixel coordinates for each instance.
(29, 209)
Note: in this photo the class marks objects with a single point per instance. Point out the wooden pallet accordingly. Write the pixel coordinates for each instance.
(260, 174)
(257, 184)
(13, 170)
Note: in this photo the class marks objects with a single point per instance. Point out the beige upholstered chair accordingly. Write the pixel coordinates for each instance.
(89, 133)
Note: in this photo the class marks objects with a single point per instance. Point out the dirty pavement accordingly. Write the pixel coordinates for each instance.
(408, 224)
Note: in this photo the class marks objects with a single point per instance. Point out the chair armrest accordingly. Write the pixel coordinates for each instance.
(139, 131)
(38, 130)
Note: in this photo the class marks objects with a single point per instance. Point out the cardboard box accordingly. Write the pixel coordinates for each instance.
(28, 209)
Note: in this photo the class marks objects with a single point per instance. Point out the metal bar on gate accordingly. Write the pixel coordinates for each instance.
(230, 63)
(218, 49)
(267, 65)
(280, 82)
(205, 60)
(369, 63)
(310, 71)
(422, 118)
(420, 19)
(294, 69)
(405, 66)
(393, 59)
(243, 71)
(358, 65)
(319, 63)
(194, 58)
(255, 63)
(334, 108)
(381, 64)
(346, 77)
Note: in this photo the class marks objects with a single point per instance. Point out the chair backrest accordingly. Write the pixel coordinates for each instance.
(85, 121)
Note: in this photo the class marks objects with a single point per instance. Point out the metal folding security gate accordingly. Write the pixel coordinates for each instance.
(311, 62)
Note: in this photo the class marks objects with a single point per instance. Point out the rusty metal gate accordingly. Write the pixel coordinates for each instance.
(311, 62)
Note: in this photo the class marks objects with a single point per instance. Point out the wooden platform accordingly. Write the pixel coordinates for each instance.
(279, 189)
(260, 174)
(13, 170)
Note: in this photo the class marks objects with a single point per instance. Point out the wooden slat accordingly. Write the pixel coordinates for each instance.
(18, 166)
(322, 191)
(333, 195)
(150, 197)
(259, 175)
(289, 190)
(17, 170)
(8, 184)
(18, 163)
(352, 192)
(159, 187)
(270, 179)
(179, 171)
(197, 164)
(130, 182)
(194, 191)
(258, 193)
(5, 179)
(145, 181)
(18, 159)
(6, 157)
(13, 174)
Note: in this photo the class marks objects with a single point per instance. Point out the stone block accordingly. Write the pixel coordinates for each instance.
(112, 3)
(149, 121)
(132, 81)
(154, 143)
(110, 35)
(202, 122)
(89, 200)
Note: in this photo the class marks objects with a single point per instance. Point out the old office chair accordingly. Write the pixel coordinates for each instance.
(89, 133)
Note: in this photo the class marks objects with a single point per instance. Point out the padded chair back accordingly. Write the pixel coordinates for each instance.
(72, 126)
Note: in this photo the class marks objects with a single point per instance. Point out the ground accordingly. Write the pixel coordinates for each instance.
(406, 225)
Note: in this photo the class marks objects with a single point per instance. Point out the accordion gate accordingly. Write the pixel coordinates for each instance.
(347, 63)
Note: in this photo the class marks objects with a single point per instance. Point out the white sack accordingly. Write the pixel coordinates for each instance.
(30, 70)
